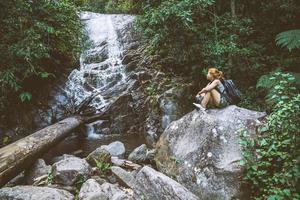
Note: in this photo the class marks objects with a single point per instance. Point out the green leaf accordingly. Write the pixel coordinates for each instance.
(289, 39)
(25, 96)
(44, 74)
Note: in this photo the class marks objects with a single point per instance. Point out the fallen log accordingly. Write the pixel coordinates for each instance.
(16, 157)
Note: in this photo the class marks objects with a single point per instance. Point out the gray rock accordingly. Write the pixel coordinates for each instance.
(91, 190)
(96, 55)
(100, 155)
(38, 169)
(202, 150)
(59, 158)
(116, 148)
(69, 170)
(139, 154)
(124, 178)
(154, 185)
(18, 180)
(132, 66)
(99, 179)
(143, 75)
(88, 189)
(34, 193)
(129, 58)
(150, 155)
(173, 104)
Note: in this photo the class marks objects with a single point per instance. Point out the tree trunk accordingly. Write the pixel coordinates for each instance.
(16, 157)
(232, 7)
(233, 15)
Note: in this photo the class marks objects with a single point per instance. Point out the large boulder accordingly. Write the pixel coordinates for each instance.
(202, 151)
(34, 193)
(70, 170)
(153, 185)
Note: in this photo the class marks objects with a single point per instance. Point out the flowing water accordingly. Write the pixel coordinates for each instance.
(101, 72)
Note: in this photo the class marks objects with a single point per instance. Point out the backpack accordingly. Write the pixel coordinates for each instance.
(232, 91)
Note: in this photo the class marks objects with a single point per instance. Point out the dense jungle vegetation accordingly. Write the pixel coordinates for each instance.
(256, 43)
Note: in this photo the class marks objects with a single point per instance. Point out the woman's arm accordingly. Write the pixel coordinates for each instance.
(209, 87)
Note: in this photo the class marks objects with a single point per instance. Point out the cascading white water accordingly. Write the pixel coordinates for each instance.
(100, 65)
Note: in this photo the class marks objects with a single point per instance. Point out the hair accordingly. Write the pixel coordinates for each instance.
(216, 73)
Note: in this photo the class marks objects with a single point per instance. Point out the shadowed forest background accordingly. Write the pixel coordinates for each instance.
(255, 43)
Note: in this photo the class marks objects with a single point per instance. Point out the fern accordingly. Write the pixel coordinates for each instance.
(289, 39)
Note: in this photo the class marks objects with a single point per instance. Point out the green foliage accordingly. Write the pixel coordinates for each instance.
(289, 39)
(102, 166)
(80, 180)
(25, 96)
(151, 89)
(173, 158)
(204, 33)
(272, 160)
(116, 6)
(5, 140)
(37, 39)
(50, 177)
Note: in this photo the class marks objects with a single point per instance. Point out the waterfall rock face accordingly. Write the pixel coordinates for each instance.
(101, 71)
(202, 151)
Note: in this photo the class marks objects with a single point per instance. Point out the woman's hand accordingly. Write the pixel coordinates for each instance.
(202, 91)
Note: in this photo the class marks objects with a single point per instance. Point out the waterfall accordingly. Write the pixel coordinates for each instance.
(100, 69)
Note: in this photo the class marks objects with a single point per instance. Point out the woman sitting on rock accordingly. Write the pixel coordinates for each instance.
(214, 93)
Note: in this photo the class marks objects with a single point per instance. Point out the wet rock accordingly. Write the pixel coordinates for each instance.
(69, 170)
(122, 114)
(100, 155)
(38, 169)
(156, 186)
(205, 150)
(133, 45)
(129, 57)
(131, 65)
(96, 55)
(173, 103)
(34, 193)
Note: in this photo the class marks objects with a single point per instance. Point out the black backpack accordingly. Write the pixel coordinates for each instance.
(232, 91)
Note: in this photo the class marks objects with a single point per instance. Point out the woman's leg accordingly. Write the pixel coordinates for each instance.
(215, 97)
(206, 99)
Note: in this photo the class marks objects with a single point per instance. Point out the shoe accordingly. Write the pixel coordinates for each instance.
(200, 107)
